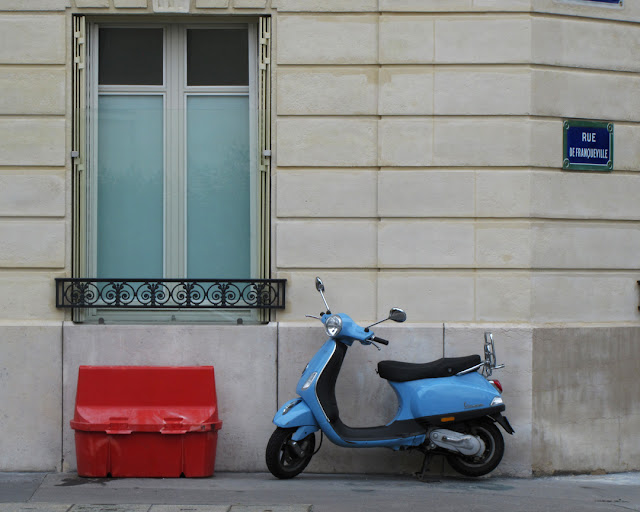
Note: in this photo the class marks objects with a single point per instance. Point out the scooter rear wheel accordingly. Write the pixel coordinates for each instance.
(488, 460)
(287, 458)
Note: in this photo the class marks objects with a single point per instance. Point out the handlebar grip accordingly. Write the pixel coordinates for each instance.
(382, 341)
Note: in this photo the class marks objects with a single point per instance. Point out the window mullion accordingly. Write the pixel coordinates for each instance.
(174, 155)
(181, 193)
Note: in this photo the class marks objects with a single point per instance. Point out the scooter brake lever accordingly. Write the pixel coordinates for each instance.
(312, 316)
(379, 349)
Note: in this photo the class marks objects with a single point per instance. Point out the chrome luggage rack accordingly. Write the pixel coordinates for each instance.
(490, 362)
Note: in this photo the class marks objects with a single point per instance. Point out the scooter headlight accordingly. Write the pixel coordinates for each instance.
(333, 325)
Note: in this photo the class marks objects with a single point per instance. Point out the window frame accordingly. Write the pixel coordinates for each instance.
(175, 93)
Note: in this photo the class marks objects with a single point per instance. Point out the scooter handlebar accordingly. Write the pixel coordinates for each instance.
(382, 341)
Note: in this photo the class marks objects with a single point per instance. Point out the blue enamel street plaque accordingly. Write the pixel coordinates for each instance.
(588, 145)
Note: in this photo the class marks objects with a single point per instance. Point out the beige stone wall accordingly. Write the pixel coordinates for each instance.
(395, 144)
(417, 152)
(586, 406)
(33, 155)
(419, 146)
(33, 229)
(585, 239)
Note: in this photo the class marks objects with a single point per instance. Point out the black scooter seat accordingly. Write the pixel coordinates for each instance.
(399, 371)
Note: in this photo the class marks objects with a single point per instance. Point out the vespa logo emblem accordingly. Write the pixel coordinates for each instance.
(472, 406)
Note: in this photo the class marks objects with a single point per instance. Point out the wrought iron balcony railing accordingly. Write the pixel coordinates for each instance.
(170, 293)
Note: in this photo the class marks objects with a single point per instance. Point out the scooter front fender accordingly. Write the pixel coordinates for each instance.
(295, 413)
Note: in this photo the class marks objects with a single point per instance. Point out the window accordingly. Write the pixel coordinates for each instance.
(171, 182)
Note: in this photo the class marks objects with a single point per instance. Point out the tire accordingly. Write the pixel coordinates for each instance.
(282, 460)
(489, 459)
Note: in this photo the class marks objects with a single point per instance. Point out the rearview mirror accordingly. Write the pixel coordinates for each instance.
(397, 315)
(319, 285)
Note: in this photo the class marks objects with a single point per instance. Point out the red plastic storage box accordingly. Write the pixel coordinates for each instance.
(146, 421)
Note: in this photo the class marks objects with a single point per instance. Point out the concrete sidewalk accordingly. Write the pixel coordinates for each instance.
(260, 492)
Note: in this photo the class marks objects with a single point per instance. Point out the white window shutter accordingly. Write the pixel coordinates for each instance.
(264, 133)
(78, 152)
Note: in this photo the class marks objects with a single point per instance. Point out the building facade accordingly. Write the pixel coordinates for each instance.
(412, 153)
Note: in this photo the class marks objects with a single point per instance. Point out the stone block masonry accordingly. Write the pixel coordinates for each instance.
(416, 162)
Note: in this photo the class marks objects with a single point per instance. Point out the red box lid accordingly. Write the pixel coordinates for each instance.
(165, 399)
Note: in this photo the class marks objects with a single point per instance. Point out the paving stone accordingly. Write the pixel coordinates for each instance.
(110, 508)
(267, 508)
(34, 507)
(190, 508)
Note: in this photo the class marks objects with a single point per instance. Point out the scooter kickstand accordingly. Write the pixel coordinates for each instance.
(422, 474)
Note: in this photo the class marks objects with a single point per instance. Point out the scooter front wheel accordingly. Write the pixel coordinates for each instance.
(287, 458)
(489, 459)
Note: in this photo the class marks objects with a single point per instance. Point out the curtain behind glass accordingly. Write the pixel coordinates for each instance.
(130, 186)
(218, 187)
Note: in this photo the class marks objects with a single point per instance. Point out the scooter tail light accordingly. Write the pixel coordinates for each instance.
(496, 384)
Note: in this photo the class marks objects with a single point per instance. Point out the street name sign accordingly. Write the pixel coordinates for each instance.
(587, 145)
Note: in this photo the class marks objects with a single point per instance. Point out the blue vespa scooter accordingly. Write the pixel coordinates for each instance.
(448, 406)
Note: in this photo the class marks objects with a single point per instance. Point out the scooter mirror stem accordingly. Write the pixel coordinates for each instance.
(396, 314)
(320, 288)
(366, 329)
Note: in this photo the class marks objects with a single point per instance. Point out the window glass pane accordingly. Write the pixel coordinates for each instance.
(218, 168)
(130, 186)
(217, 57)
(130, 56)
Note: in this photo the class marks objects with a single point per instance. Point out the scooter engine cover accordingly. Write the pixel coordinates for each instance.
(457, 442)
